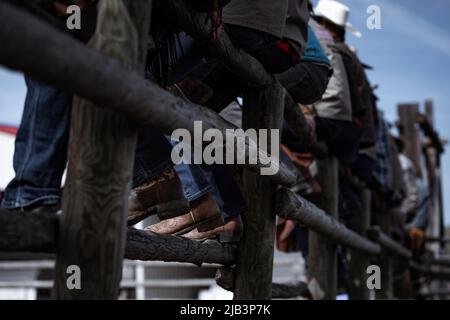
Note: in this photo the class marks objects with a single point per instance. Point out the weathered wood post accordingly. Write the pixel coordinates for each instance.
(433, 169)
(407, 114)
(359, 261)
(436, 225)
(322, 256)
(101, 154)
(385, 222)
(263, 109)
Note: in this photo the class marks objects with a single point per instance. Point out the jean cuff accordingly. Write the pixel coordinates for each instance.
(143, 174)
(22, 203)
(198, 194)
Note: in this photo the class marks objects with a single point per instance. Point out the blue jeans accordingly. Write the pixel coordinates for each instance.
(41, 149)
(200, 180)
(227, 192)
(195, 181)
(152, 156)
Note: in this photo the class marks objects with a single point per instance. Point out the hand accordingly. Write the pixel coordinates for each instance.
(216, 19)
(288, 228)
(417, 237)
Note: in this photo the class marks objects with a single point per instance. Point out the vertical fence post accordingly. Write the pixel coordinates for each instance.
(385, 222)
(263, 109)
(407, 114)
(322, 256)
(408, 118)
(359, 261)
(436, 225)
(101, 157)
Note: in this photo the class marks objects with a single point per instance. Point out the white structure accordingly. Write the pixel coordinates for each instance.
(7, 136)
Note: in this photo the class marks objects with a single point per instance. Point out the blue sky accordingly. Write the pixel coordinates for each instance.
(411, 56)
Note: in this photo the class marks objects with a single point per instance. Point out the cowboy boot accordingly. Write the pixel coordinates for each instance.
(162, 196)
(230, 233)
(204, 216)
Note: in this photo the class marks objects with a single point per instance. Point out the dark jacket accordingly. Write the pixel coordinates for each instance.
(271, 16)
(360, 90)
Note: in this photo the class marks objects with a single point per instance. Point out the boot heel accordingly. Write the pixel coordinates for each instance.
(210, 224)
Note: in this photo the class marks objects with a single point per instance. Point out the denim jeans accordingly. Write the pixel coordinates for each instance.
(40, 148)
(40, 154)
(195, 181)
(226, 85)
(152, 155)
(227, 192)
(199, 180)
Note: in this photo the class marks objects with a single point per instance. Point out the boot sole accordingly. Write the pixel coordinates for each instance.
(164, 211)
(210, 223)
(202, 226)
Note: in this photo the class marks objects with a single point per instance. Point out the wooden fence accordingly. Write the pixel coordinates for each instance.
(113, 97)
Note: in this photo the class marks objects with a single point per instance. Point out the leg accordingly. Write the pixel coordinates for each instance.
(306, 82)
(156, 187)
(40, 148)
(205, 214)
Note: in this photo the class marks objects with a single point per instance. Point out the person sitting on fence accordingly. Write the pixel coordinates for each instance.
(334, 111)
(216, 185)
(41, 155)
(258, 28)
(260, 40)
(411, 216)
(365, 162)
(333, 16)
(313, 71)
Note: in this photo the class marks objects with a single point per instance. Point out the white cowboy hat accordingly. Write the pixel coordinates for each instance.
(337, 13)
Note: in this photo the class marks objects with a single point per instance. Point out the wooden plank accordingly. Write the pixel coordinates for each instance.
(387, 243)
(385, 223)
(359, 261)
(292, 206)
(263, 109)
(225, 278)
(322, 255)
(413, 149)
(101, 153)
(35, 235)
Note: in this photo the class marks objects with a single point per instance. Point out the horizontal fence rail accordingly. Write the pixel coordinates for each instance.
(386, 242)
(294, 207)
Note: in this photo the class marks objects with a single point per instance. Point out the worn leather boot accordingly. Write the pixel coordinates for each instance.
(204, 216)
(230, 233)
(162, 195)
